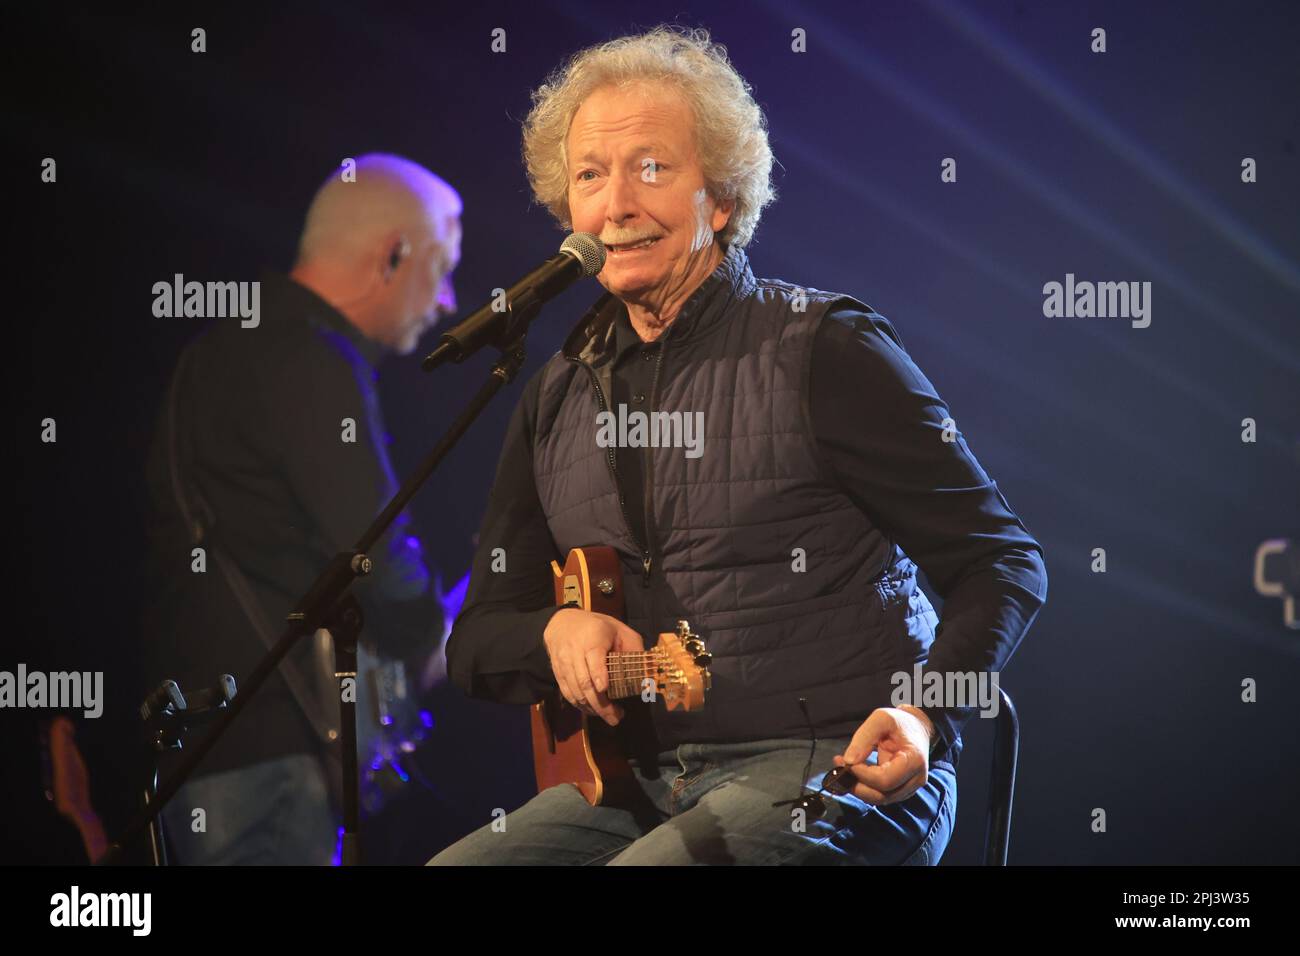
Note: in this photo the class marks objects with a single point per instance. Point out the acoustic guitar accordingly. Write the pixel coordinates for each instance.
(568, 746)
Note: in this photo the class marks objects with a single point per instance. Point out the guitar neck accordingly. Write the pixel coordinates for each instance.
(628, 672)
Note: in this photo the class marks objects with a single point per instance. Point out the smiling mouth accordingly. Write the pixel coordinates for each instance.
(624, 248)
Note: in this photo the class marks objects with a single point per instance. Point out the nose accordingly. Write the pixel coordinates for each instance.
(447, 297)
(620, 198)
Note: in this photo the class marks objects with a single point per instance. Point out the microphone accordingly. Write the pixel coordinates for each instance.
(581, 254)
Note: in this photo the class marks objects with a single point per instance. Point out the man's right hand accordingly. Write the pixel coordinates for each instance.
(578, 642)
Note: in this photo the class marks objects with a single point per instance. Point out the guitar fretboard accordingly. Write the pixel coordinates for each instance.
(628, 672)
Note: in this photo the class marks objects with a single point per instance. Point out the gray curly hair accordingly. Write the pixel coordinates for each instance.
(730, 129)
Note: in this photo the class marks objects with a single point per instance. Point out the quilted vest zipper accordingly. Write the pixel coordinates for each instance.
(646, 560)
(647, 547)
(651, 543)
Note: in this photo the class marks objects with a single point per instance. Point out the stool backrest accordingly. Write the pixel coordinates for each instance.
(1002, 782)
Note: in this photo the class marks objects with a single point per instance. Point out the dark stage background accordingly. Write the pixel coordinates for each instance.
(1122, 166)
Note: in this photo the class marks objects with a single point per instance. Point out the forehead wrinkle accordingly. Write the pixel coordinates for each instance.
(647, 149)
(654, 115)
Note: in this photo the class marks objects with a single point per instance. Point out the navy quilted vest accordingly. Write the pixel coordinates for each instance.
(792, 588)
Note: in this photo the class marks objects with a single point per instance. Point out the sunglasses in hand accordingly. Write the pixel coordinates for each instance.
(838, 782)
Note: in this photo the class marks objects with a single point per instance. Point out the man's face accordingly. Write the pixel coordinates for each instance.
(634, 175)
(420, 290)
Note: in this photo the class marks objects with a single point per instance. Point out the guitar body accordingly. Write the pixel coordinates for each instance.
(391, 726)
(568, 746)
(67, 784)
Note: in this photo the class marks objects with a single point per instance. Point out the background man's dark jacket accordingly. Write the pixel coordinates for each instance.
(263, 409)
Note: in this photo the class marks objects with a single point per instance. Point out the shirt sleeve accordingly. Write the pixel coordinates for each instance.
(496, 648)
(890, 443)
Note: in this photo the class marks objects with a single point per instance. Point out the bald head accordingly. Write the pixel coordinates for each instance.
(381, 246)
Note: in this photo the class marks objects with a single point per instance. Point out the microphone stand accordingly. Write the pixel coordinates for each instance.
(328, 604)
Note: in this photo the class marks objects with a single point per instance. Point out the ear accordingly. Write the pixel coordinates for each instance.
(391, 251)
(722, 214)
(398, 254)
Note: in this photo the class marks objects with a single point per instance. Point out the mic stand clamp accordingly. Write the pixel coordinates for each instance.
(167, 718)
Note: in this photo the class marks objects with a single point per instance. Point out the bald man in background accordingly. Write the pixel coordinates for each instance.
(267, 475)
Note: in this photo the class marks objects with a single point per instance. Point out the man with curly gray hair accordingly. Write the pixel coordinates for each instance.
(663, 122)
(782, 526)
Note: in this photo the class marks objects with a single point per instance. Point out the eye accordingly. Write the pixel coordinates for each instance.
(585, 172)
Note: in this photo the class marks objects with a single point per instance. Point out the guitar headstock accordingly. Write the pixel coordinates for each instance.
(681, 668)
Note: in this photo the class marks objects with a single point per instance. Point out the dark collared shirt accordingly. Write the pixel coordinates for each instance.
(267, 409)
(878, 421)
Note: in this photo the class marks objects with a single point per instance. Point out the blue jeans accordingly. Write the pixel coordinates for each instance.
(276, 812)
(712, 804)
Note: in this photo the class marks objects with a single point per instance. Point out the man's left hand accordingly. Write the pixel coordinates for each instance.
(900, 736)
(433, 670)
